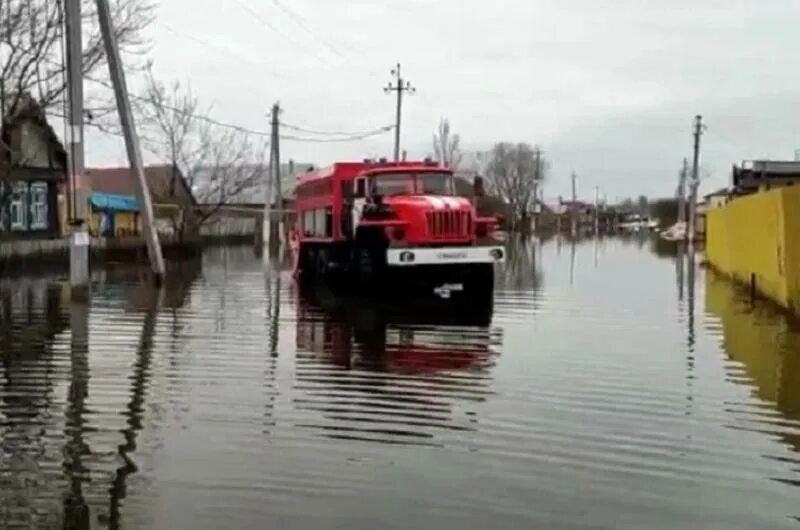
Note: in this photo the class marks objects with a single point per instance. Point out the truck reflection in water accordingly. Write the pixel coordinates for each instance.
(392, 372)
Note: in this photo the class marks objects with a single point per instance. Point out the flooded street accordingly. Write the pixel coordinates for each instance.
(608, 387)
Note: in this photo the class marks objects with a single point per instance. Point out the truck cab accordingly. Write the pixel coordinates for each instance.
(404, 221)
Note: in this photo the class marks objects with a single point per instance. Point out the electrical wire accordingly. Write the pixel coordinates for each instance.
(265, 22)
(218, 48)
(352, 138)
(303, 25)
(334, 133)
(346, 137)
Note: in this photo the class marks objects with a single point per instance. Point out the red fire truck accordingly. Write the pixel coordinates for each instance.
(377, 220)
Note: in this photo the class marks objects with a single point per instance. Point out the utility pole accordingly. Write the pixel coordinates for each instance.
(573, 206)
(117, 74)
(79, 237)
(682, 195)
(596, 209)
(537, 153)
(399, 87)
(698, 131)
(275, 193)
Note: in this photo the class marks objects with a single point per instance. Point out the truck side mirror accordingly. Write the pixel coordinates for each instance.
(477, 186)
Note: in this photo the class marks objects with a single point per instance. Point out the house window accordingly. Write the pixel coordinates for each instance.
(38, 204)
(16, 207)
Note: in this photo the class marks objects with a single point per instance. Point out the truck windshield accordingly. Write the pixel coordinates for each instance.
(412, 184)
(392, 184)
(434, 184)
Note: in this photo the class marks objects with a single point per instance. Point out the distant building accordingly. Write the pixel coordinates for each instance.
(114, 203)
(717, 198)
(761, 175)
(32, 171)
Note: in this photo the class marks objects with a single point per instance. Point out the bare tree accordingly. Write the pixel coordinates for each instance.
(514, 173)
(446, 146)
(219, 164)
(33, 59)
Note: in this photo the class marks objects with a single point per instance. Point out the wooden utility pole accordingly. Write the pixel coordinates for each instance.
(698, 131)
(117, 74)
(399, 87)
(79, 237)
(274, 204)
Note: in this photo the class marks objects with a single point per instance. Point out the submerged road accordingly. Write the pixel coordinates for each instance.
(610, 385)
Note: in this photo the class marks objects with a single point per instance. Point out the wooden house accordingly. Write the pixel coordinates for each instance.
(33, 165)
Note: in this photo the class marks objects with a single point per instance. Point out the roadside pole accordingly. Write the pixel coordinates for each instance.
(131, 140)
(682, 195)
(275, 193)
(698, 131)
(78, 235)
(399, 87)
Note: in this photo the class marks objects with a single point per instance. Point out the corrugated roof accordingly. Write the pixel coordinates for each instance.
(113, 202)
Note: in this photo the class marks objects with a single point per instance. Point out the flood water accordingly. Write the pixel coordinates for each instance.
(610, 386)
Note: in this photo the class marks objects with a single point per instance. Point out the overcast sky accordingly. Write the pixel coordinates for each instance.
(607, 88)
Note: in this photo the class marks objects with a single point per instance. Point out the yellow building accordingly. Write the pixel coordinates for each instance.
(756, 240)
(113, 215)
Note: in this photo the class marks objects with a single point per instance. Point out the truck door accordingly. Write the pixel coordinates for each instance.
(359, 200)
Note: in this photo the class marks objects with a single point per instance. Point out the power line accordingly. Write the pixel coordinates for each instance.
(352, 138)
(265, 22)
(194, 115)
(301, 22)
(218, 48)
(334, 133)
(349, 138)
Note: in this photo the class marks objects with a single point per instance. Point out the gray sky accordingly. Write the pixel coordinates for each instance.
(607, 88)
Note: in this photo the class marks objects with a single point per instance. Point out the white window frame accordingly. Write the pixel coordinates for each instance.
(18, 204)
(38, 208)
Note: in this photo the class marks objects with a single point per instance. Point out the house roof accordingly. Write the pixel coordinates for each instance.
(120, 181)
(722, 192)
(25, 107)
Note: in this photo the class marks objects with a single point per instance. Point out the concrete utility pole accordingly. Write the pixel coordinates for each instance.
(117, 74)
(698, 131)
(682, 193)
(596, 209)
(537, 154)
(399, 87)
(79, 237)
(573, 207)
(275, 193)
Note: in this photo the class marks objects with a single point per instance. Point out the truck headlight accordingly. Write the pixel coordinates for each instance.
(407, 257)
(496, 253)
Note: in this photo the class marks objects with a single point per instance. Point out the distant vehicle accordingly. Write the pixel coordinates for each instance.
(392, 224)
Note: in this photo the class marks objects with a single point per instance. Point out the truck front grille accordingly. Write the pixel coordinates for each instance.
(448, 224)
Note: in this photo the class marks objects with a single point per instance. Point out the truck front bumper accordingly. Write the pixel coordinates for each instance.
(413, 256)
